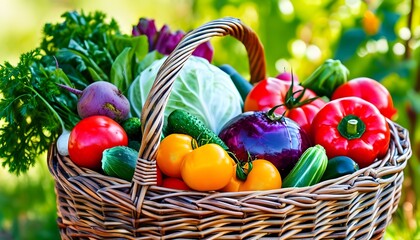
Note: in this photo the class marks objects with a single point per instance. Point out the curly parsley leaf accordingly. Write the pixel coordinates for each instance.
(33, 111)
(83, 48)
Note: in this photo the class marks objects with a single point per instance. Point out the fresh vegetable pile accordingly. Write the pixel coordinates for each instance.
(85, 86)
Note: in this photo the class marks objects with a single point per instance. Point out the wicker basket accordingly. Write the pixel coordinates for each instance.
(94, 206)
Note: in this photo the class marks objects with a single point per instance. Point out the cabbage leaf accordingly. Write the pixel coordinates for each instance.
(200, 88)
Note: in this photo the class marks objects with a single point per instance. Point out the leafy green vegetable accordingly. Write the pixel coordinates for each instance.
(200, 88)
(90, 49)
(326, 78)
(79, 27)
(82, 49)
(132, 54)
(83, 45)
(76, 52)
(34, 110)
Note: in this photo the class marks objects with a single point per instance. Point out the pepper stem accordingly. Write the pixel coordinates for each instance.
(352, 126)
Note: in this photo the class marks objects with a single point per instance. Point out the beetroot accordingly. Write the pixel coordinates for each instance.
(264, 135)
(101, 98)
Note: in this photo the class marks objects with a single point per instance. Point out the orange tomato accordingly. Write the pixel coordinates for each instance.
(207, 168)
(263, 176)
(171, 152)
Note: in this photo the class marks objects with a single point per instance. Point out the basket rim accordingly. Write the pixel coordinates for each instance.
(382, 171)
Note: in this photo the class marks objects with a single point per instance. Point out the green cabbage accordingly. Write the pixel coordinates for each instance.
(200, 88)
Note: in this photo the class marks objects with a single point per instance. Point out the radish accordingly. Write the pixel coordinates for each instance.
(101, 98)
(63, 143)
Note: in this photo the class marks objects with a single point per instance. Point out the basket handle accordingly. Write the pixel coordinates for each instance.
(153, 109)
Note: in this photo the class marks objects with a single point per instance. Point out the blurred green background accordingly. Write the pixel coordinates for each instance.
(377, 39)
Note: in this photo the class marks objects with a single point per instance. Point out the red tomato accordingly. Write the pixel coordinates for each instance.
(91, 136)
(272, 92)
(369, 90)
(159, 177)
(175, 183)
(288, 76)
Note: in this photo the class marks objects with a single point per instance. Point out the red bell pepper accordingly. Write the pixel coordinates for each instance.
(352, 127)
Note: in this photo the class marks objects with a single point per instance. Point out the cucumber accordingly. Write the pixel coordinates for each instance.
(120, 162)
(181, 121)
(132, 126)
(339, 166)
(134, 145)
(309, 168)
(242, 85)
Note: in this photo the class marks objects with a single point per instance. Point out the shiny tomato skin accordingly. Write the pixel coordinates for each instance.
(91, 136)
(171, 152)
(159, 177)
(263, 176)
(207, 168)
(234, 183)
(271, 92)
(175, 183)
(369, 90)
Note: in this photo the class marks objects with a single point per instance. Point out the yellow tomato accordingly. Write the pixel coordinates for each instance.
(234, 183)
(263, 176)
(207, 168)
(171, 152)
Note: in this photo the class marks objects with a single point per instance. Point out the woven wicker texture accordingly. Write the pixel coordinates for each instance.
(94, 206)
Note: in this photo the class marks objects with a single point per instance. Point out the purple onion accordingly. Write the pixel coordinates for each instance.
(277, 139)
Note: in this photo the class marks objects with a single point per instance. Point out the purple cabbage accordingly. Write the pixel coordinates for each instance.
(164, 41)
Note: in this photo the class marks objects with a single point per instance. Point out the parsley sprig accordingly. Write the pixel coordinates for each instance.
(81, 49)
(32, 109)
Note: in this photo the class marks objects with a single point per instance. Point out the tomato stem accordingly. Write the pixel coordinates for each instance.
(194, 144)
(273, 116)
(243, 169)
(295, 102)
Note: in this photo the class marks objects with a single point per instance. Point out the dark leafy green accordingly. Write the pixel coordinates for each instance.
(76, 52)
(33, 108)
(88, 49)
